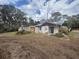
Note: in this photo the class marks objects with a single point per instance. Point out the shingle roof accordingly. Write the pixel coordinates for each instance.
(51, 23)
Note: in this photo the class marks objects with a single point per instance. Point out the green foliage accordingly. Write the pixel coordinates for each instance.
(20, 32)
(37, 22)
(23, 32)
(56, 16)
(11, 18)
(31, 21)
(73, 23)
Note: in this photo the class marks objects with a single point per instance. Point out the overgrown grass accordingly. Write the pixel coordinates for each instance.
(23, 32)
(9, 33)
(60, 35)
(73, 35)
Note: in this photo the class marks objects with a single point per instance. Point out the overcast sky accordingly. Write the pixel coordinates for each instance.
(37, 9)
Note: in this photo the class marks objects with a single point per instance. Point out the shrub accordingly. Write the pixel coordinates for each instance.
(23, 32)
(64, 30)
(20, 32)
(27, 32)
(59, 35)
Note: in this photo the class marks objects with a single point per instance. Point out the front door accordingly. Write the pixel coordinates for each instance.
(51, 29)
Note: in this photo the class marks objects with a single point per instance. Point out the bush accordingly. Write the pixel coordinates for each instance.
(20, 32)
(23, 32)
(59, 35)
(27, 32)
(64, 30)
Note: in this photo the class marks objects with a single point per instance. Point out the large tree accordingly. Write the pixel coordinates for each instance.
(11, 18)
(31, 21)
(72, 22)
(55, 17)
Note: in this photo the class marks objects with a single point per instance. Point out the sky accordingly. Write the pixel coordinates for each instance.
(38, 9)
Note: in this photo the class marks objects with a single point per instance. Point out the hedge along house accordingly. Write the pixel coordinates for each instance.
(47, 27)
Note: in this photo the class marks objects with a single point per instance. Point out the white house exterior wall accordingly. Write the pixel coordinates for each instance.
(45, 29)
(56, 30)
(37, 30)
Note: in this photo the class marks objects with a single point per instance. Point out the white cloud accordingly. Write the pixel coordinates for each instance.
(72, 8)
(2, 2)
(50, 7)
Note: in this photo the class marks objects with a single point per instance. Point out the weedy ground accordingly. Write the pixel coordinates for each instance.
(38, 46)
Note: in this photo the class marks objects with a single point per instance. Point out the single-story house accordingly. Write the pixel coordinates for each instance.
(32, 28)
(47, 27)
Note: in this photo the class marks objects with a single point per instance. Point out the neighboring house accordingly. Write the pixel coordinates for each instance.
(47, 27)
